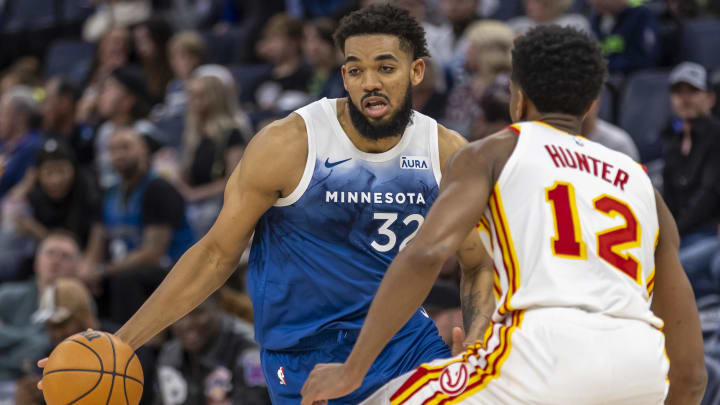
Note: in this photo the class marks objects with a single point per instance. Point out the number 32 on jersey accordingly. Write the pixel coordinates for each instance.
(567, 241)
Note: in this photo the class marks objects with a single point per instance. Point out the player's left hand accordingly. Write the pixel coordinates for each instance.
(327, 381)
(458, 341)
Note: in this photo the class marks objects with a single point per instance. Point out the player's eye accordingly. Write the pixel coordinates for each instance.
(387, 69)
(353, 71)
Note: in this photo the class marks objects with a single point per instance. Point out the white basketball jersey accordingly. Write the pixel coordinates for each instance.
(572, 224)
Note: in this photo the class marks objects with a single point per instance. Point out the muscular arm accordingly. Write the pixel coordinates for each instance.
(674, 302)
(476, 282)
(271, 167)
(465, 189)
(478, 303)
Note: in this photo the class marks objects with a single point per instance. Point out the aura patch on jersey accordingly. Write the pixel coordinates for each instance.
(414, 163)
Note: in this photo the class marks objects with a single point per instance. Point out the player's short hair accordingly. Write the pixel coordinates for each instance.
(560, 69)
(384, 19)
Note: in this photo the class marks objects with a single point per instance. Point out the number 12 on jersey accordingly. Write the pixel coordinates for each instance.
(567, 241)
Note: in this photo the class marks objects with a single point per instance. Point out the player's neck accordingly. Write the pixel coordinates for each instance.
(564, 122)
(361, 142)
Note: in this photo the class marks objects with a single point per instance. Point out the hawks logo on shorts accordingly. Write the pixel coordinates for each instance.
(454, 379)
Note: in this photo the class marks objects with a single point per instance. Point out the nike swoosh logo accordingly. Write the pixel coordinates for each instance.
(333, 164)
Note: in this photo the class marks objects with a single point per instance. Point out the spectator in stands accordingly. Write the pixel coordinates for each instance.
(213, 143)
(439, 37)
(123, 101)
(23, 72)
(684, 8)
(151, 39)
(186, 51)
(494, 109)
(488, 54)
(628, 35)
(459, 15)
(607, 134)
(60, 197)
(58, 119)
(115, 13)
(19, 141)
(68, 309)
(113, 51)
(285, 87)
(548, 12)
(691, 176)
(212, 360)
(443, 306)
(22, 331)
(325, 59)
(430, 96)
(144, 225)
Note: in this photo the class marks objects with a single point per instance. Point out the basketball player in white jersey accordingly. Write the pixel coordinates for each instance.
(583, 294)
(332, 193)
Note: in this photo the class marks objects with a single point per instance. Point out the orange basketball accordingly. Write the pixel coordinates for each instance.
(92, 368)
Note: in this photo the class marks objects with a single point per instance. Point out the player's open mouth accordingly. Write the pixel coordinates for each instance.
(375, 107)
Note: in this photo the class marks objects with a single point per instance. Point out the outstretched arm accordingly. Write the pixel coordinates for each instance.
(271, 167)
(674, 302)
(465, 190)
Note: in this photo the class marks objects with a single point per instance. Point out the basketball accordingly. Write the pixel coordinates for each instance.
(92, 368)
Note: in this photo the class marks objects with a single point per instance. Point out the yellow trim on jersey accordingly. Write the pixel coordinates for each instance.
(507, 249)
(577, 231)
(618, 248)
(482, 376)
(650, 284)
(434, 372)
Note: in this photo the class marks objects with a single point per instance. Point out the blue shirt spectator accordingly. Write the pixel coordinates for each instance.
(18, 141)
(628, 34)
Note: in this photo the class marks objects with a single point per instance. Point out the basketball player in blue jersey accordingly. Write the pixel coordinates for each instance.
(332, 193)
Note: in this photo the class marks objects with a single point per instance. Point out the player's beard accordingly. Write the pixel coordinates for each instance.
(382, 129)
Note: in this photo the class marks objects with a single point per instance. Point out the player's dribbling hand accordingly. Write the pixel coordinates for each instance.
(328, 381)
(41, 363)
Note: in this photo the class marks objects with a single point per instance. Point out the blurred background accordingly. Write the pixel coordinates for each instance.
(120, 121)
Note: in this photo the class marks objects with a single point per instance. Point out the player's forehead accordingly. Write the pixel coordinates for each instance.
(371, 47)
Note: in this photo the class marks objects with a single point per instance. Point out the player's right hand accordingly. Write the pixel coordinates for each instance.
(41, 363)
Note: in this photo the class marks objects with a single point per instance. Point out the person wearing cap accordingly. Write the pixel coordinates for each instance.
(22, 327)
(60, 196)
(59, 109)
(123, 101)
(691, 175)
(66, 308)
(18, 139)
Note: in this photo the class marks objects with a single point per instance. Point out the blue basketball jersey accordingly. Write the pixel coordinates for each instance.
(319, 254)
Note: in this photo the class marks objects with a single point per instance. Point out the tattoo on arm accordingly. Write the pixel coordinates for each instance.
(472, 311)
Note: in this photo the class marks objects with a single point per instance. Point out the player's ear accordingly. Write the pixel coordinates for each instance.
(590, 108)
(417, 71)
(343, 71)
(521, 106)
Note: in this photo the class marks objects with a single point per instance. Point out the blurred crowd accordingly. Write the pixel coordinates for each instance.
(120, 121)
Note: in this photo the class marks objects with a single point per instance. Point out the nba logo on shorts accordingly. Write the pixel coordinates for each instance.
(454, 379)
(281, 375)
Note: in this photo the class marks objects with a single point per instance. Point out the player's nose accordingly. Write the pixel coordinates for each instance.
(371, 81)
